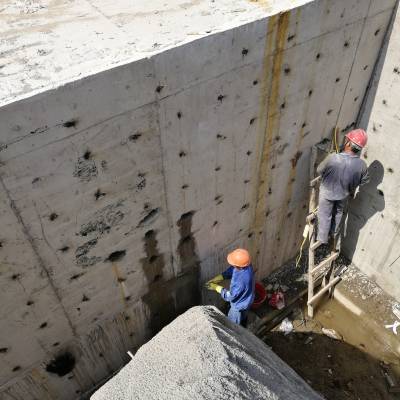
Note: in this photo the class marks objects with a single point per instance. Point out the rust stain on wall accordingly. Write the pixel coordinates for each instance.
(282, 250)
(120, 280)
(268, 112)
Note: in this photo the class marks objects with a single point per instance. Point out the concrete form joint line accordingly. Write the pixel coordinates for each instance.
(193, 84)
(103, 15)
(18, 216)
(164, 178)
(154, 102)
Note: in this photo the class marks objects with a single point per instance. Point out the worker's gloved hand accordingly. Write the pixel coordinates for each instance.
(216, 279)
(214, 286)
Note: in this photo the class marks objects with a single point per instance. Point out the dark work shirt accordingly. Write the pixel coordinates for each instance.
(341, 174)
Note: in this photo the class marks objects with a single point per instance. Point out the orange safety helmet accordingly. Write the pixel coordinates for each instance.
(239, 258)
(358, 137)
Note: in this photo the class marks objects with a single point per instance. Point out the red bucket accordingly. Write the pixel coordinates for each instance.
(261, 295)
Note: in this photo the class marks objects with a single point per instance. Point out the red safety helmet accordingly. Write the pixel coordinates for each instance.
(358, 137)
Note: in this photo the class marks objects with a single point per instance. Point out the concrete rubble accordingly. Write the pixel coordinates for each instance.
(202, 355)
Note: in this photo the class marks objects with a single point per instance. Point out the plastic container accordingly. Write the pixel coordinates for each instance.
(261, 295)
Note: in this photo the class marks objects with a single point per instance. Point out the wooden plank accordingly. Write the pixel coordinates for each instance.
(323, 290)
(312, 206)
(315, 181)
(311, 261)
(325, 262)
(316, 245)
(311, 217)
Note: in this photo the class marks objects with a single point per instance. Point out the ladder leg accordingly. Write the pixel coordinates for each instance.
(312, 206)
(310, 311)
(310, 308)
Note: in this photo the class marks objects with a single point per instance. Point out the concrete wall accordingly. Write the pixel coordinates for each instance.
(122, 192)
(373, 236)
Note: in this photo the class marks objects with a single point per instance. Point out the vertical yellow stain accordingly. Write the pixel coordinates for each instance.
(268, 111)
(120, 283)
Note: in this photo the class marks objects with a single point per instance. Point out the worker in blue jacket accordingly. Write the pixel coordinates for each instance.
(241, 291)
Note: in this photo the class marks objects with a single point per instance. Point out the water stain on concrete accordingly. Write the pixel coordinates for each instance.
(168, 299)
(190, 263)
(159, 298)
(153, 262)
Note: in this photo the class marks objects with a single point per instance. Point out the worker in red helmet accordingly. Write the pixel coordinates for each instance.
(341, 174)
(242, 288)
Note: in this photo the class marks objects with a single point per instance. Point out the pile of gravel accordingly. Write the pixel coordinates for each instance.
(202, 355)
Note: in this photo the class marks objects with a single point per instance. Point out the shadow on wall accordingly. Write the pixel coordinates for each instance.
(368, 201)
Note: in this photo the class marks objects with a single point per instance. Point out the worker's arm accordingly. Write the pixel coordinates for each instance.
(227, 274)
(321, 167)
(364, 177)
(212, 284)
(233, 293)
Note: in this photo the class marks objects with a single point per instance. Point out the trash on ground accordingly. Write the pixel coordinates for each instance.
(286, 326)
(396, 310)
(393, 385)
(308, 340)
(277, 300)
(393, 326)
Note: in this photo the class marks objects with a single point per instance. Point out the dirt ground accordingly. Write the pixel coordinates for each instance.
(336, 369)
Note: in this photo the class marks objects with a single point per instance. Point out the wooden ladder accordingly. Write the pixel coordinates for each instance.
(324, 267)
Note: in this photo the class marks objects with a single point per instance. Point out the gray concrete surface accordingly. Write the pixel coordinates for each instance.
(47, 43)
(373, 235)
(202, 355)
(122, 191)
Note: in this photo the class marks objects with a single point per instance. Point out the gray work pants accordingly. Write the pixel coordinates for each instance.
(330, 213)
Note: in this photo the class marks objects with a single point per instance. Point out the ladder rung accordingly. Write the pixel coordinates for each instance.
(315, 181)
(325, 262)
(310, 217)
(323, 290)
(315, 245)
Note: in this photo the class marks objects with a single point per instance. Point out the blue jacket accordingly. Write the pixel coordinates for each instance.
(241, 291)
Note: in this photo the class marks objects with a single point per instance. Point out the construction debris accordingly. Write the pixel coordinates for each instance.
(202, 355)
(286, 326)
(391, 380)
(331, 333)
(393, 326)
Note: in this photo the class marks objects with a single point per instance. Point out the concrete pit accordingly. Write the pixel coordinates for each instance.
(132, 163)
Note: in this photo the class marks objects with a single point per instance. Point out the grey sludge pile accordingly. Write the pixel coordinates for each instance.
(202, 355)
